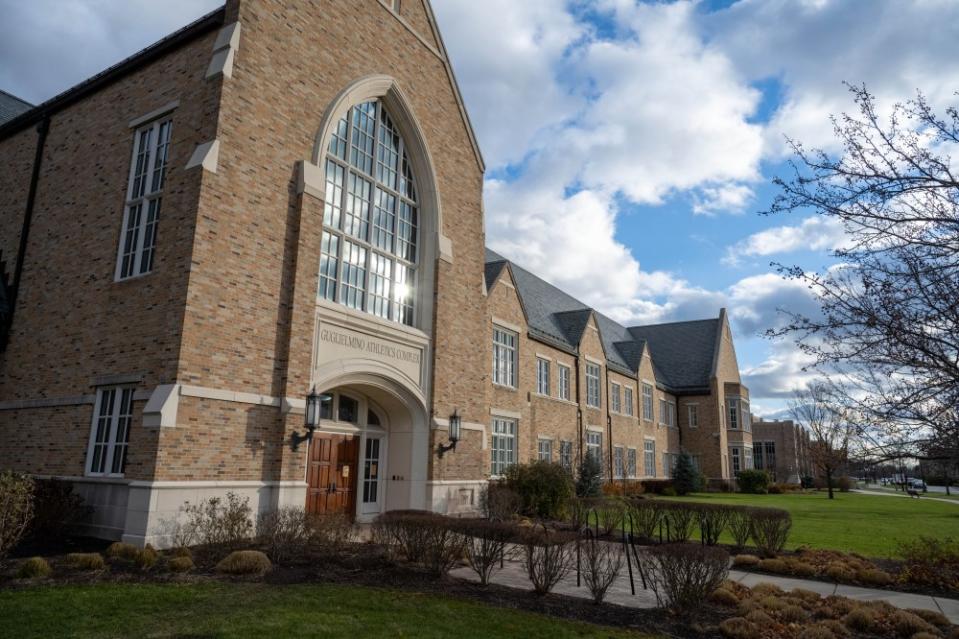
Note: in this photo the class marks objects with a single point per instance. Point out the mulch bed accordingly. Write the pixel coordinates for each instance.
(366, 565)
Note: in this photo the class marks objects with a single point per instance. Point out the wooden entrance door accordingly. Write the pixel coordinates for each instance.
(331, 475)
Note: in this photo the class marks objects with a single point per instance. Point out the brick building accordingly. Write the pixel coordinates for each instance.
(283, 198)
(782, 448)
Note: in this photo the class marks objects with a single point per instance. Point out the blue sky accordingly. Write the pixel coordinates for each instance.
(630, 145)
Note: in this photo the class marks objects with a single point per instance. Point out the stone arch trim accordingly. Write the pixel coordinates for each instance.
(363, 372)
(388, 90)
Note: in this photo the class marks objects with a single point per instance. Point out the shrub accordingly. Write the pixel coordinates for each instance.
(713, 519)
(544, 487)
(485, 544)
(55, 507)
(120, 550)
(777, 566)
(907, 624)
(816, 632)
(685, 476)
(444, 546)
(760, 618)
(840, 573)
(86, 561)
(499, 502)
(645, 515)
(931, 562)
(925, 635)
(724, 597)
(547, 557)
(678, 519)
(775, 489)
(740, 525)
(623, 488)
(283, 531)
(770, 529)
(934, 617)
(800, 568)
(180, 564)
(746, 561)
(589, 477)
(766, 589)
(34, 568)
(147, 558)
(245, 562)
(754, 482)
(809, 596)
(330, 530)
(874, 577)
(739, 628)
(600, 563)
(845, 484)
(658, 486)
(684, 575)
(792, 614)
(611, 513)
(860, 619)
(217, 522)
(422, 537)
(16, 509)
(182, 551)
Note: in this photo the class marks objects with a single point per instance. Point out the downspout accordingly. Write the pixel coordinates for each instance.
(579, 413)
(42, 129)
(609, 433)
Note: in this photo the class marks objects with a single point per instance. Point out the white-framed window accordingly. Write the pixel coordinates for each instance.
(141, 218)
(502, 446)
(592, 385)
(663, 411)
(770, 455)
(747, 419)
(648, 402)
(630, 462)
(669, 463)
(649, 458)
(110, 432)
(619, 462)
(504, 357)
(563, 382)
(371, 471)
(369, 248)
(748, 458)
(671, 414)
(544, 450)
(758, 456)
(734, 457)
(566, 455)
(615, 400)
(692, 415)
(628, 400)
(542, 376)
(594, 444)
(733, 413)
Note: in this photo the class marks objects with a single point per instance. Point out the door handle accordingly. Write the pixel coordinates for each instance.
(333, 489)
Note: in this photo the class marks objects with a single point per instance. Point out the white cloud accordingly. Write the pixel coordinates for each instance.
(731, 198)
(812, 234)
(893, 47)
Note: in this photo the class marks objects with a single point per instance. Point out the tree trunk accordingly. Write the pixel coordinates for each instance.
(829, 482)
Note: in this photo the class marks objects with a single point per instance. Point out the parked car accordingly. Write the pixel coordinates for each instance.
(915, 484)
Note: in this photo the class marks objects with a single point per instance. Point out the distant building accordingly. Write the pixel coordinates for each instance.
(11, 106)
(782, 448)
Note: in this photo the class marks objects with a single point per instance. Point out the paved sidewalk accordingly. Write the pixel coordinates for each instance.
(514, 576)
(878, 493)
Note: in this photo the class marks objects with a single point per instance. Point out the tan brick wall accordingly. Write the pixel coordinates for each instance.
(73, 322)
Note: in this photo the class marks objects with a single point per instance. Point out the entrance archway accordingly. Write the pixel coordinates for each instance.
(369, 452)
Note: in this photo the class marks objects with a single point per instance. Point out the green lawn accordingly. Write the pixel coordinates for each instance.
(259, 610)
(867, 524)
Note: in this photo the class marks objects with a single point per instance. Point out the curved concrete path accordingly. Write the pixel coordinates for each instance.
(514, 576)
(866, 491)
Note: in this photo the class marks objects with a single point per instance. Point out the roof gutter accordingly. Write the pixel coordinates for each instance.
(42, 130)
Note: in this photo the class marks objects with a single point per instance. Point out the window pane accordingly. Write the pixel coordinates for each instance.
(387, 152)
(361, 148)
(333, 200)
(352, 291)
(403, 294)
(141, 165)
(349, 410)
(356, 220)
(101, 435)
(338, 139)
(329, 261)
(406, 232)
(130, 240)
(149, 236)
(122, 438)
(381, 269)
(407, 188)
(161, 156)
(384, 217)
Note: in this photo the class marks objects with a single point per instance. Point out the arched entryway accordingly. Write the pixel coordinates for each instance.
(365, 455)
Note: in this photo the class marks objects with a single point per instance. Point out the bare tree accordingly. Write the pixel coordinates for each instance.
(890, 310)
(831, 433)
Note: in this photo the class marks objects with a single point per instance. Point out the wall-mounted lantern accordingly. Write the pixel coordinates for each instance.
(456, 429)
(312, 418)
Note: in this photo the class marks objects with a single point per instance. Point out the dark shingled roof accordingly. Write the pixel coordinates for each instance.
(682, 352)
(11, 106)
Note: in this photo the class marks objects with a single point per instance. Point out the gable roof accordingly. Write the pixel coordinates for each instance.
(11, 106)
(682, 352)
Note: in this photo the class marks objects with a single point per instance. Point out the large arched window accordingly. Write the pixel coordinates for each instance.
(370, 220)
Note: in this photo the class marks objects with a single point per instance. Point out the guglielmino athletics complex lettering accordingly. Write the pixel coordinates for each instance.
(369, 346)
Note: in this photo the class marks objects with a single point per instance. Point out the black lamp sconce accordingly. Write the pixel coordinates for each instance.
(312, 419)
(456, 428)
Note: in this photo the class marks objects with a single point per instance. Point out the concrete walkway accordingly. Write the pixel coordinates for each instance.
(862, 491)
(514, 576)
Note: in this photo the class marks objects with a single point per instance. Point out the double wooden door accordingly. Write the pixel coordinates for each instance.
(331, 476)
